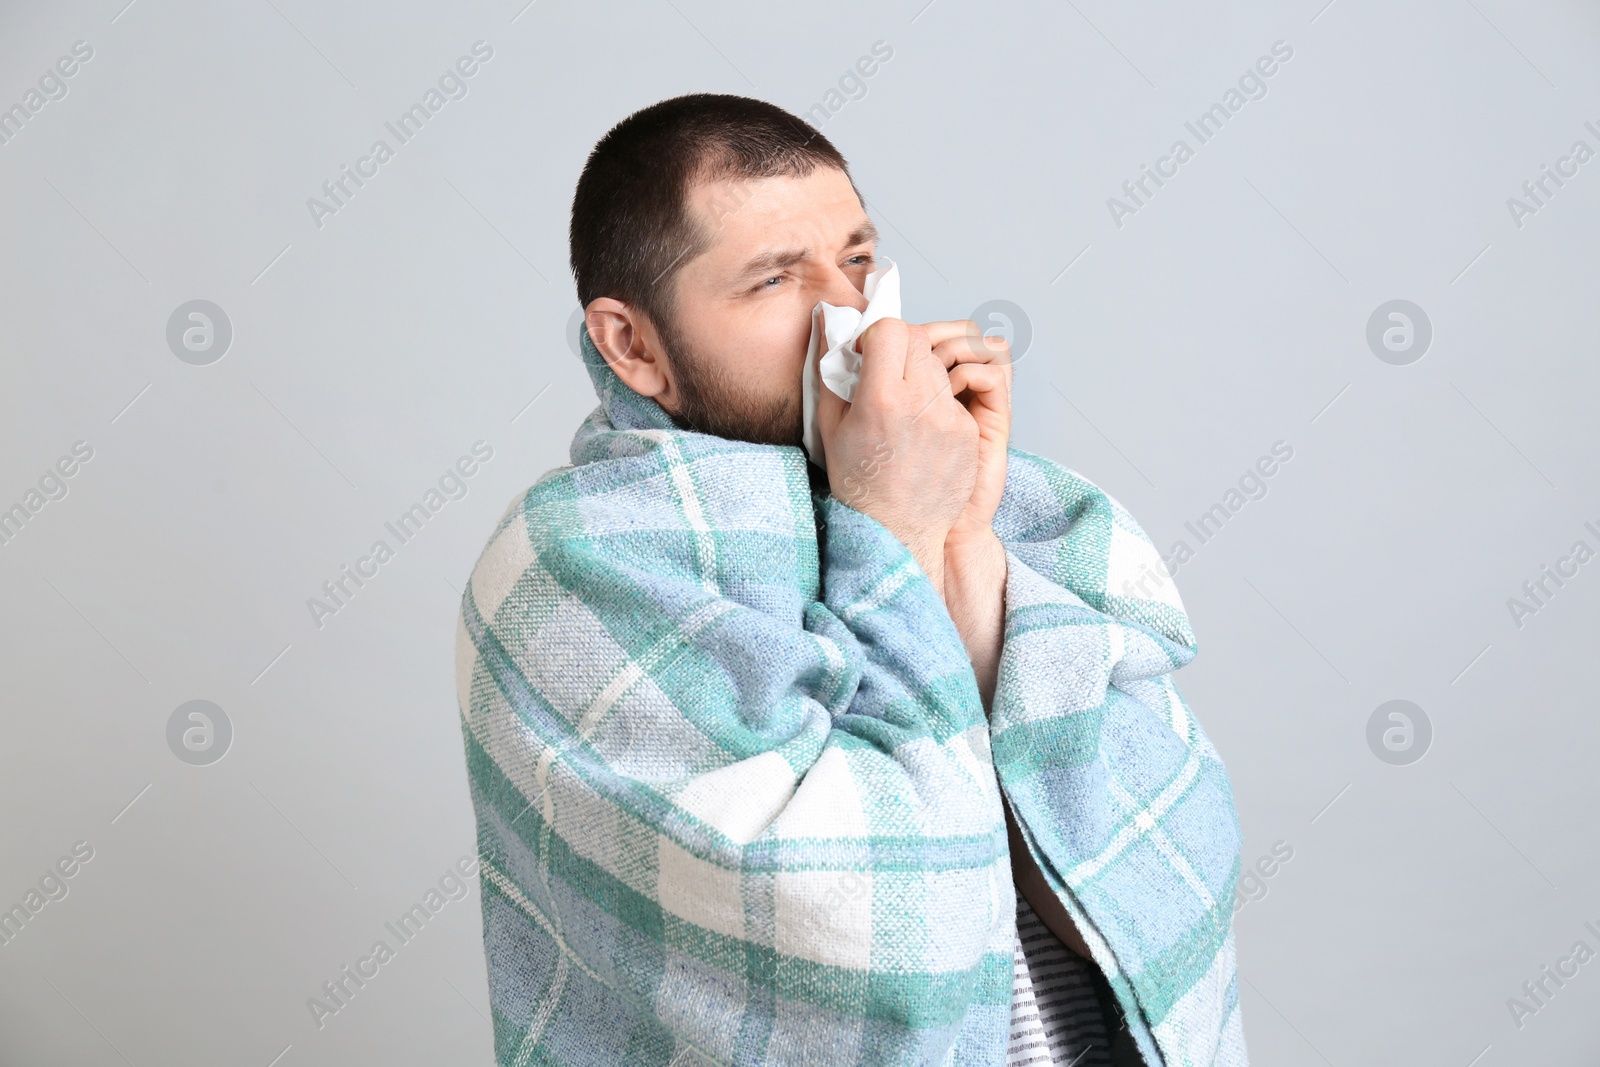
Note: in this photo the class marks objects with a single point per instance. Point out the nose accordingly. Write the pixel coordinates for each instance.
(841, 291)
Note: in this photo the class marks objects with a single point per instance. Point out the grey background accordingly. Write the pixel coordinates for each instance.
(1167, 355)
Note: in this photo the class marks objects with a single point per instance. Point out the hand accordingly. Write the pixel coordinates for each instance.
(980, 378)
(905, 451)
(975, 565)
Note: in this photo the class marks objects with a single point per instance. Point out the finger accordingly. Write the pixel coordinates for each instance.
(924, 373)
(972, 348)
(934, 391)
(984, 392)
(831, 408)
(960, 341)
(988, 384)
(883, 355)
(940, 332)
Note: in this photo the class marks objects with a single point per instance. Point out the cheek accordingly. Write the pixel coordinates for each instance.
(772, 345)
(789, 360)
(757, 349)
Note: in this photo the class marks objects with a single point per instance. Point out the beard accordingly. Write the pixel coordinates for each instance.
(715, 402)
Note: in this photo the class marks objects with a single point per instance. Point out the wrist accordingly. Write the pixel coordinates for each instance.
(975, 576)
(930, 557)
(974, 548)
(926, 547)
(974, 591)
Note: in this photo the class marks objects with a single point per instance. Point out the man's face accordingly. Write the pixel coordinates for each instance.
(738, 336)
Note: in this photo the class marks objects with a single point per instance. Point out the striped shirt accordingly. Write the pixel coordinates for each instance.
(1056, 1014)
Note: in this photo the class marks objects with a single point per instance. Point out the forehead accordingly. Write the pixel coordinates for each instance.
(818, 210)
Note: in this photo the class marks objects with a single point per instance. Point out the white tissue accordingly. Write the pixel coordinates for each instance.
(831, 357)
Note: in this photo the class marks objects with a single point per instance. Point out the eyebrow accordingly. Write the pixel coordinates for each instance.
(777, 259)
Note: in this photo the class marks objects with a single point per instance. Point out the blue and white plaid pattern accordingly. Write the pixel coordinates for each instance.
(737, 798)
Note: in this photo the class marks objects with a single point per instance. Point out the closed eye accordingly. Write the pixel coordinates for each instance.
(862, 259)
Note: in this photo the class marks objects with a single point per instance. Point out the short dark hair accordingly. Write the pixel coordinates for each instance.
(631, 228)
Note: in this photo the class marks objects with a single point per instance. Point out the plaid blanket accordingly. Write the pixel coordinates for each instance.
(737, 798)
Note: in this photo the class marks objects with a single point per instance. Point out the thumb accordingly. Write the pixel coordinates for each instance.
(831, 410)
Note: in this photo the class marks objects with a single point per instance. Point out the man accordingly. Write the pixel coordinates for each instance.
(728, 716)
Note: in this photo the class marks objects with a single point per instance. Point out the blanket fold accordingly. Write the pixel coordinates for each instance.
(737, 798)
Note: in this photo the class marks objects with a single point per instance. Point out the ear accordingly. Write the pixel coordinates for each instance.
(630, 345)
